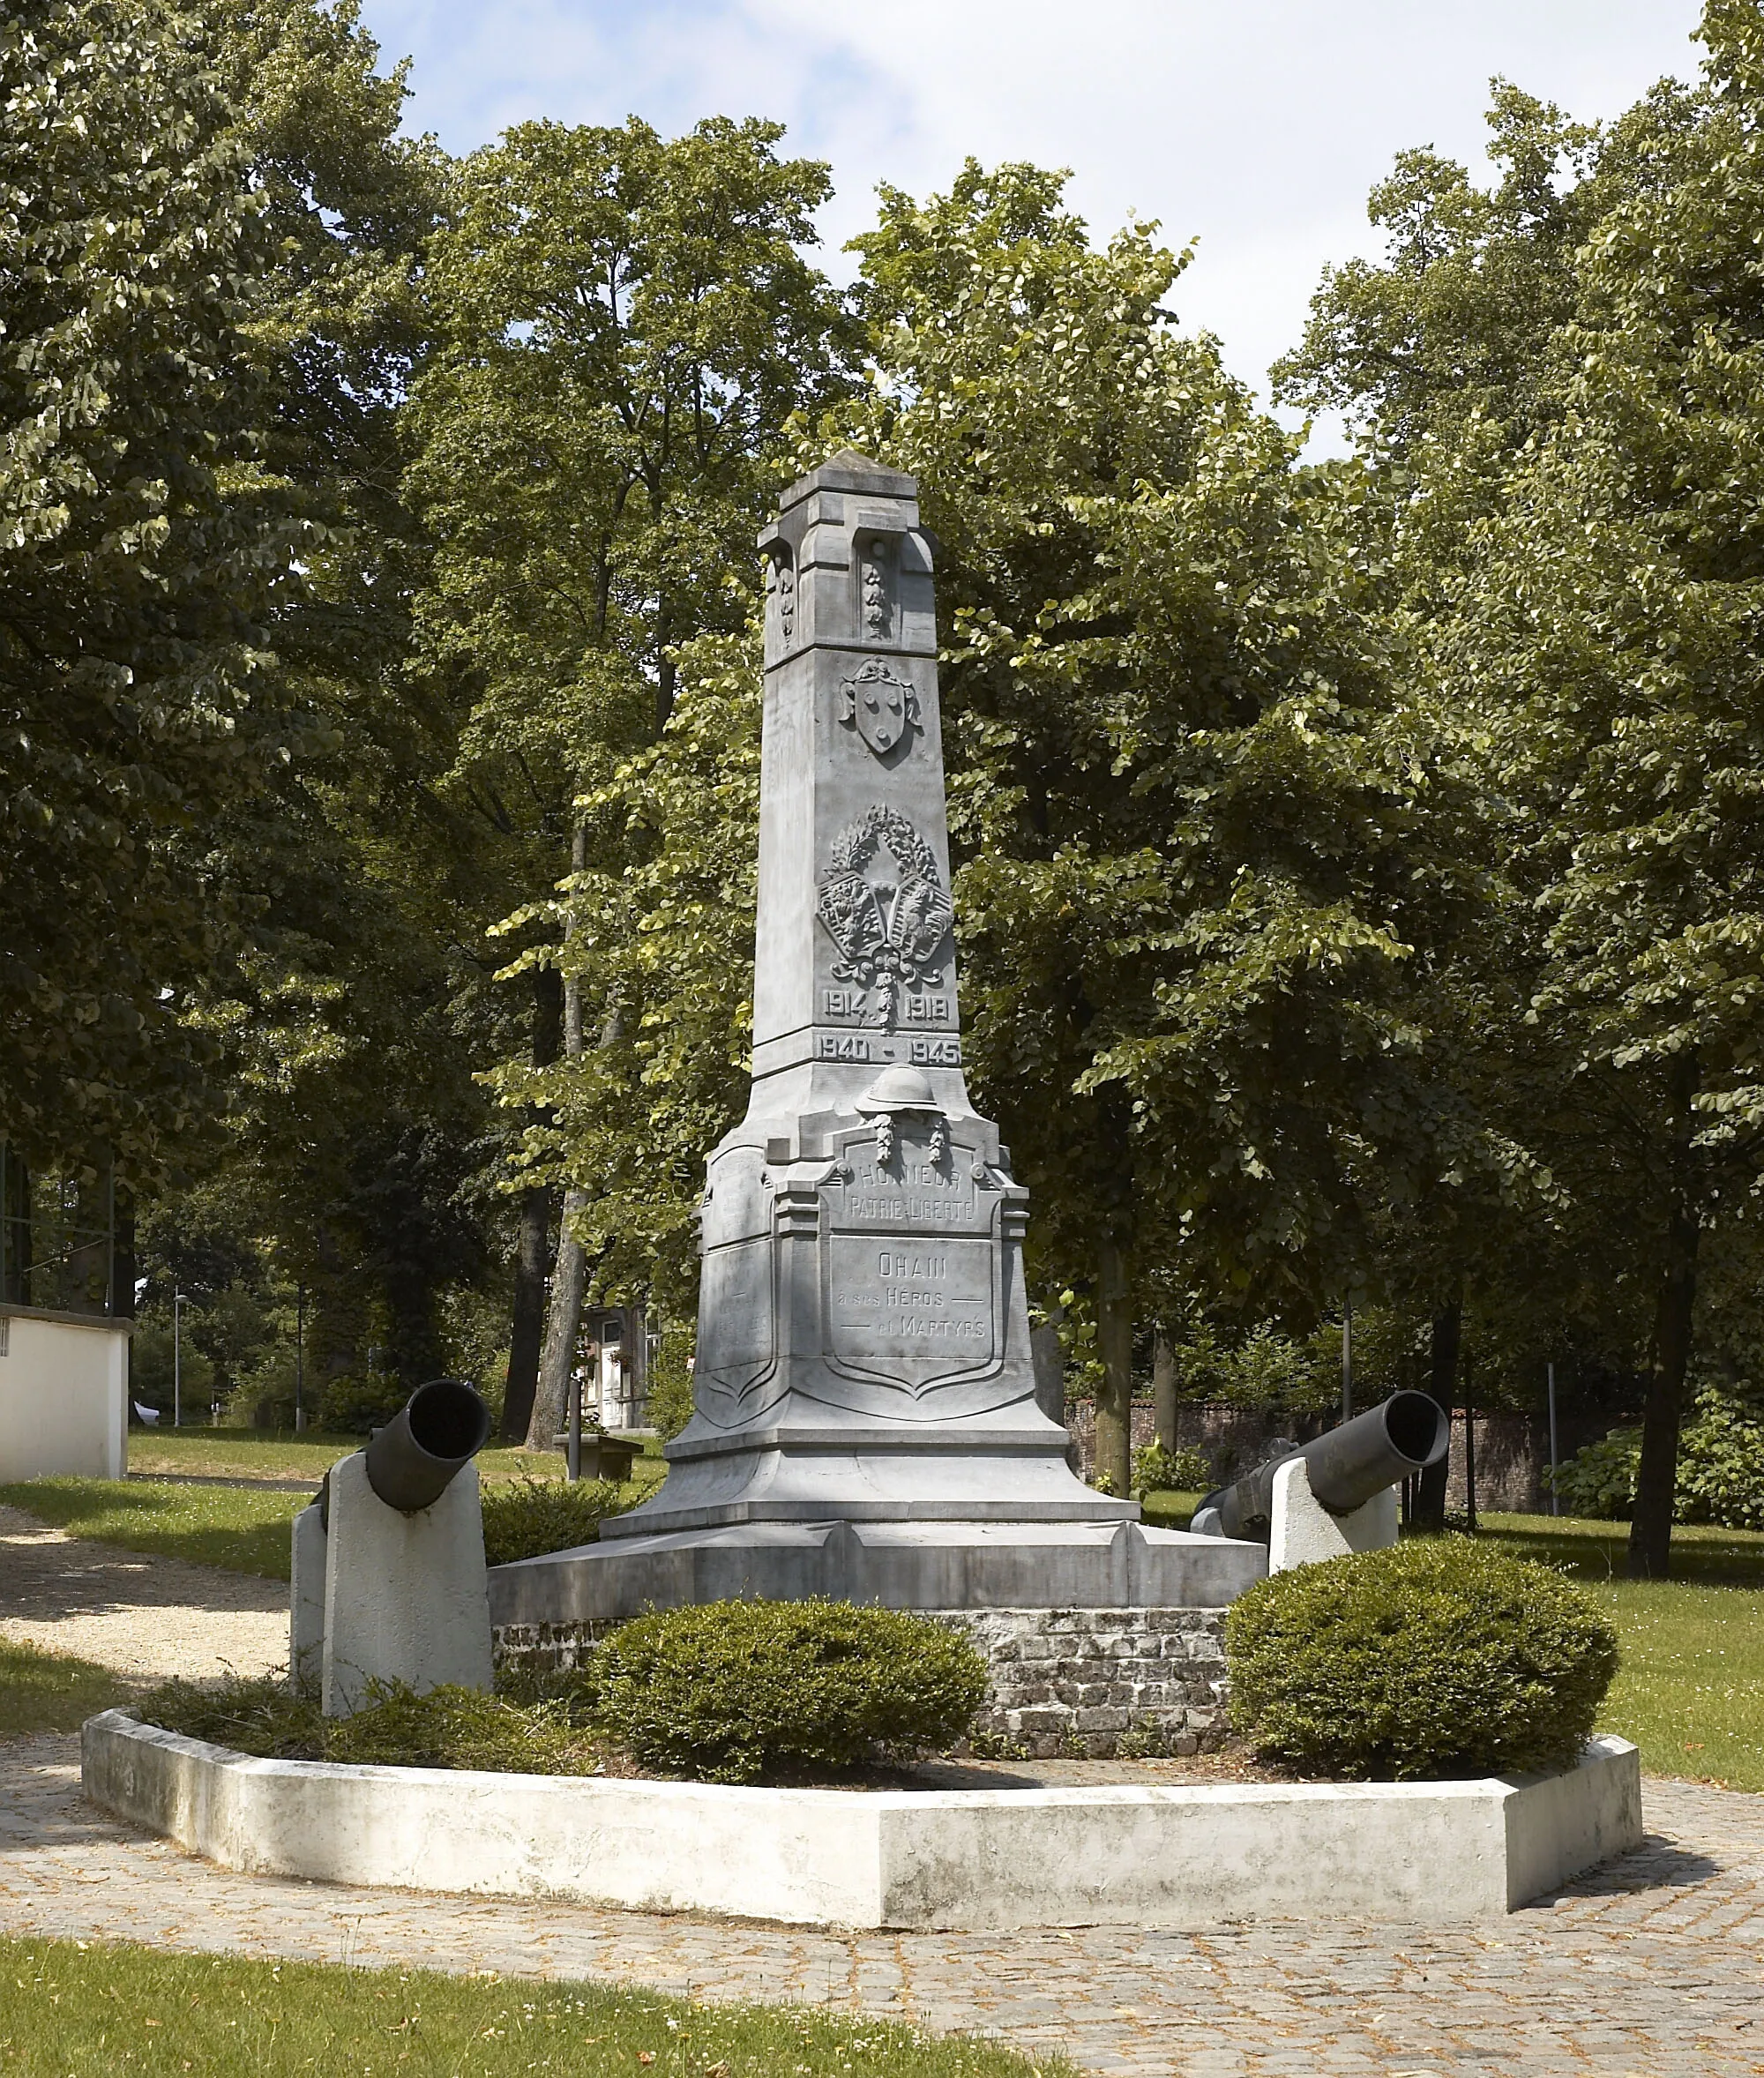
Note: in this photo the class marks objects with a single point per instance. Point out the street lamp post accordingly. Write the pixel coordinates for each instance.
(177, 1359)
(1347, 1359)
(299, 1358)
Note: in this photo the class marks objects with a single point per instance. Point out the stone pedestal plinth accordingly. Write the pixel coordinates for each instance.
(405, 1595)
(1302, 1531)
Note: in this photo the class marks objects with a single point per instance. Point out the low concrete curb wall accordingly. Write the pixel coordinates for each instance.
(975, 1860)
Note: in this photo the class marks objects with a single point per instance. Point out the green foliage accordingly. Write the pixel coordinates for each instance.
(1158, 1470)
(151, 1370)
(1199, 835)
(1436, 1657)
(670, 1383)
(665, 930)
(1720, 1475)
(444, 1726)
(354, 1404)
(525, 1518)
(144, 546)
(70, 2004)
(1259, 1369)
(733, 1691)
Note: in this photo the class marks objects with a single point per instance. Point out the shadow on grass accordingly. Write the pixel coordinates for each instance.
(1702, 1556)
(239, 1529)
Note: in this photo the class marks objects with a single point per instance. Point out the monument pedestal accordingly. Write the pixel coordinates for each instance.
(1003, 1564)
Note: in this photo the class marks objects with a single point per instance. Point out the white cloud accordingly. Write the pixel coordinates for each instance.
(1258, 125)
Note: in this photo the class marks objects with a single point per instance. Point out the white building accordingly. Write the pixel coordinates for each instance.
(64, 1393)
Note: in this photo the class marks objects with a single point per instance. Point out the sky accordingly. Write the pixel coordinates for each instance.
(1256, 127)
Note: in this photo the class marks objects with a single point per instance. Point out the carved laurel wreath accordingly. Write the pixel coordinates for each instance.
(903, 947)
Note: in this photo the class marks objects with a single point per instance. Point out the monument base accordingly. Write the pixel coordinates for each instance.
(922, 1565)
(1062, 1684)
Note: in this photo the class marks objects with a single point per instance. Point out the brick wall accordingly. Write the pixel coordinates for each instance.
(1076, 1682)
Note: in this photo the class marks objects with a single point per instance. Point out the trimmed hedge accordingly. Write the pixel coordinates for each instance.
(1438, 1657)
(526, 1518)
(732, 1691)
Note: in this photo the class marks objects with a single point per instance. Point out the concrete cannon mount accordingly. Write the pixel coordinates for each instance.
(970, 1859)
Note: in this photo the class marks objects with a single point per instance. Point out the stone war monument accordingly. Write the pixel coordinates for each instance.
(865, 1419)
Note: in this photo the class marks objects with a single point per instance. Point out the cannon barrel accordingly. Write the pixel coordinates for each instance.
(435, 1434)
(1347, 1465)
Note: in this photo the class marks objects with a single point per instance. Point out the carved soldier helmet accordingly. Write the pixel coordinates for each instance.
(898, 1089)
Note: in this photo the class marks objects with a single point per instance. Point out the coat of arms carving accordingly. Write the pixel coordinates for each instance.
(891, 928)
(882, 707)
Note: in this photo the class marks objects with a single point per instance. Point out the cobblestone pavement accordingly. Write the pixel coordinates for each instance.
(1654, 1968)
(146, 1617)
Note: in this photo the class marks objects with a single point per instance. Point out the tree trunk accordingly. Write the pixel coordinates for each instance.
(1115, 1394)
(533, 1251)
(563, 1325)
(1164, 1390)
(1651, 1527)
(1442, 1380)
(526, 1328)
(568, 1281)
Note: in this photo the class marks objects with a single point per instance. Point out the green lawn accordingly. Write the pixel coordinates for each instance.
(1690, 1690)
(68, 2010)
(246, 1531)
(1168, 1510)
(263, 1453)
(51, 1691)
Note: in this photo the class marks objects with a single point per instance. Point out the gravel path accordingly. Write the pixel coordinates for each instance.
(1654, 1969)
(148, 1618)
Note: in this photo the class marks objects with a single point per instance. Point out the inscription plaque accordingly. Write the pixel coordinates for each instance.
(911, 1296)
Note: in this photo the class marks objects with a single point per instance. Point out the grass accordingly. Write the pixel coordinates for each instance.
(228, 1525)
(244, 1528)
(70, 2010)
(1690, 1688)
(51, 1691)
(1168, 1510)
(265, 1453)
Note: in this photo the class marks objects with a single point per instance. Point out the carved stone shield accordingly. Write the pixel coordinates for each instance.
(880, 706)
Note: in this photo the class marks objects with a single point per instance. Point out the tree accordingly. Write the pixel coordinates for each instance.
(1201, 866)
(144, 543)
(1616, 609)
(627, 324)
(1580, 570)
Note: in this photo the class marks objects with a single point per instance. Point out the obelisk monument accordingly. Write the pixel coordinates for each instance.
(865, 1419)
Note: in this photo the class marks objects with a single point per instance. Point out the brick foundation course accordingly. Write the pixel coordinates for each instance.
(1080, 1683)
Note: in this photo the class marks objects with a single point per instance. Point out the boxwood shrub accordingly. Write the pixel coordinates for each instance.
(1439, 1656)
(731, 1691)
(526, 1518)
